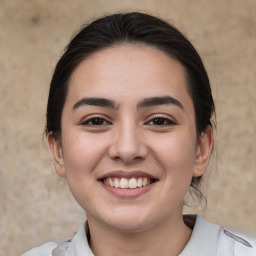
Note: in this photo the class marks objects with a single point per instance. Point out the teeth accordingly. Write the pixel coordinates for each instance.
(139, 182)
(111, 183)
(132, 183)
(144, 182)
(127, 183)
(124, 183)
(116, 183)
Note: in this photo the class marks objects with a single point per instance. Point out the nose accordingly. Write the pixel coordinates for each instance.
(128, 144)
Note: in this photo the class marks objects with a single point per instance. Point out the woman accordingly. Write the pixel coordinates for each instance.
(129, 123)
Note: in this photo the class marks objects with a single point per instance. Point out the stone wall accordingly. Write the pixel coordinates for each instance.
(36, 205)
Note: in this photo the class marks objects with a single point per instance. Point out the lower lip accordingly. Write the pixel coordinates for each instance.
(128, 192)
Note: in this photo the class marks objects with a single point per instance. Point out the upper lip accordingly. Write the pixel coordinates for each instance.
(126, 174)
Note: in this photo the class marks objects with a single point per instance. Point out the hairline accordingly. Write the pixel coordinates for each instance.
(128, 42)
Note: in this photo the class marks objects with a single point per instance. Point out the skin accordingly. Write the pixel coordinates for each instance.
(159, 140)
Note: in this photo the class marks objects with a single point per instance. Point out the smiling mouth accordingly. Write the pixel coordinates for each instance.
(125, 183)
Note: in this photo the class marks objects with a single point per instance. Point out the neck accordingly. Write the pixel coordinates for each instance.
(167, 238)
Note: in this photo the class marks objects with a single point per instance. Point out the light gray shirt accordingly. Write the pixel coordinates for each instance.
(207, 239)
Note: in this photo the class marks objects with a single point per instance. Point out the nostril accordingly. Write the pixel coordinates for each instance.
(127, 157)
(128, 146)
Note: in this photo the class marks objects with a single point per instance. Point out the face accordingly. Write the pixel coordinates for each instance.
(128, 144)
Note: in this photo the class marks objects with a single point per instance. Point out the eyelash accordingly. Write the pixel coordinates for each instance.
(99, 121)
(156, 121)
(161, 121)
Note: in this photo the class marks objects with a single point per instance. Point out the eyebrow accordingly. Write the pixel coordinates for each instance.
(147, 102)
(101, 102)
(155, 101)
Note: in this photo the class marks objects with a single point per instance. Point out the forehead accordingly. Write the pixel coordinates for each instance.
(129, 70)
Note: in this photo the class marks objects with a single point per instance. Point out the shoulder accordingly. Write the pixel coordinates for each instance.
(43, 250)
(236, 243)
(216, 240)
(78, 243)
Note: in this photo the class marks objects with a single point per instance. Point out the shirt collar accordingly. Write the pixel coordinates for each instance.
(203, 241)
(204, 238)
(79, 245)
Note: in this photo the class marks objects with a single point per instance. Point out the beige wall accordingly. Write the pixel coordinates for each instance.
(35, 204)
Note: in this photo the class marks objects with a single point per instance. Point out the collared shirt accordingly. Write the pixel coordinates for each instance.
(207, 240)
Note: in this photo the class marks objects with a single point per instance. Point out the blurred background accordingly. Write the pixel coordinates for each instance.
(35, 204)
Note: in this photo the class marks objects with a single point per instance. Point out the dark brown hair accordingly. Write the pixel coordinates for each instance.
(132, 28)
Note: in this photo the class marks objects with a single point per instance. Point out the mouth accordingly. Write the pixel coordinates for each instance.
(128, 183)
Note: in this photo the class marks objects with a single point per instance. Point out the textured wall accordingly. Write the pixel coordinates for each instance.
(35, 204)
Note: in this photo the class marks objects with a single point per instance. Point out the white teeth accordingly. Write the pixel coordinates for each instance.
(132, 183)
(116, 183)
(139, 182)
(124, 183)
(111, 183)
(144, 182)
(127, 183)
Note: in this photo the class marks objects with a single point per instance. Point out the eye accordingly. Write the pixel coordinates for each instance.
(95, 121)
(161, 121)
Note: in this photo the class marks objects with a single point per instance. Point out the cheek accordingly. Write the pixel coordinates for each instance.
(82, 153)
(176, 154)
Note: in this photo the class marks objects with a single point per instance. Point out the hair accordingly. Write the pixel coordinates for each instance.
(132, 28)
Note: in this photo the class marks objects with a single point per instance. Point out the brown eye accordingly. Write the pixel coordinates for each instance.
(96, 121)
(161, 121)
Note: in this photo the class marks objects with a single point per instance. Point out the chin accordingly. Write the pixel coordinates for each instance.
(129, 227)
(130, 222)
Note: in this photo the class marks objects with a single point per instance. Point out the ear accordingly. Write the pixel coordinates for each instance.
(57, 153)
(203, 152)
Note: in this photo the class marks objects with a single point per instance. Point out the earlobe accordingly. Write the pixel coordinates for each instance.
(57, 153)
(203, 152)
